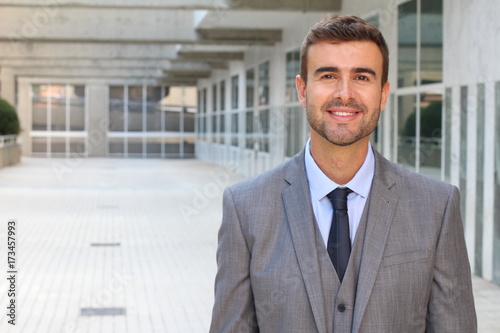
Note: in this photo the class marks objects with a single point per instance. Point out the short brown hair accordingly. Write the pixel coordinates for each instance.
(338, 29)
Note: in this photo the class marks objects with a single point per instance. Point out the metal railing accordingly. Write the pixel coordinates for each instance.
(7, 140)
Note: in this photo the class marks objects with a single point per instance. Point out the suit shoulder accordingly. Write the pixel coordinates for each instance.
(264, 181)
(413, 181)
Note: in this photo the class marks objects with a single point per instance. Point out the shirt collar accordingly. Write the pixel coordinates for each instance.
(321, 185)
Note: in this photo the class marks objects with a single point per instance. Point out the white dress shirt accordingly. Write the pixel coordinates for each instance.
(320, 185)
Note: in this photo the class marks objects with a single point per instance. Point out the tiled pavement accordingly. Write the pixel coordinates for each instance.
(137, 237)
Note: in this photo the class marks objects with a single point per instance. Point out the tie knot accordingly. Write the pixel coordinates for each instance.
(338, 197)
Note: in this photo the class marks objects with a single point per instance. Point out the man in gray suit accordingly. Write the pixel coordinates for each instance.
(406, 266)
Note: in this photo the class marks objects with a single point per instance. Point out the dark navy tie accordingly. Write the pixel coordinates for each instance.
(339, 240)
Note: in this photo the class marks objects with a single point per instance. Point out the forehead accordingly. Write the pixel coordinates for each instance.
(350, 54)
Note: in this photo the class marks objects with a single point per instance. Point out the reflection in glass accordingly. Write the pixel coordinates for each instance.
(407, 128)
(431, 105)
(407, 44)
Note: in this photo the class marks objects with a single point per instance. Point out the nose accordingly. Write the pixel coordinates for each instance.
(344, 91)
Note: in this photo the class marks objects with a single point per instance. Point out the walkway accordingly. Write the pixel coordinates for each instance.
(133, 238)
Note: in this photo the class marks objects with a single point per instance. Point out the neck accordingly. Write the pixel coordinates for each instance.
(339, 163)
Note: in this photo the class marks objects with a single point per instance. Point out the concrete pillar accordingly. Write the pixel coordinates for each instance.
(98, 120)
(8, 82)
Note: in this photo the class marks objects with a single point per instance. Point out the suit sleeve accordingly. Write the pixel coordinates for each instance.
(451, 303)
(234, 309)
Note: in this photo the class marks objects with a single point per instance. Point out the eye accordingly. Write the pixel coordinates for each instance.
(327, 76)
(363, 78)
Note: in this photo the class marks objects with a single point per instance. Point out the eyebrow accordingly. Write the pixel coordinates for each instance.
(357, 70)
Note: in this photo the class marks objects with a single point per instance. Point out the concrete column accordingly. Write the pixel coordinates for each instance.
(98, 120)
(24, 111)
(8, 82)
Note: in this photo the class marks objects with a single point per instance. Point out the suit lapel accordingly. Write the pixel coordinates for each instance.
(296, 199)
(381, 208)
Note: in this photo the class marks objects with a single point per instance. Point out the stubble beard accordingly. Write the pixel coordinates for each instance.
(341, 135)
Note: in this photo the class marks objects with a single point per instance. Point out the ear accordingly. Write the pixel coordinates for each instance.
(386, 89)
(301, 90)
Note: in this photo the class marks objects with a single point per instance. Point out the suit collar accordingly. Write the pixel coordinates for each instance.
(296, 199)
(381, 207)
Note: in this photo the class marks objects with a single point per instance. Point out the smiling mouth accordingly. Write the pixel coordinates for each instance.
(342, 114)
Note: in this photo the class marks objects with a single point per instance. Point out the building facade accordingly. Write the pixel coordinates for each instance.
(442, 118)
(215, 79)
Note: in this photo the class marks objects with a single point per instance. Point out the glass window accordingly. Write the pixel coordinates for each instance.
(172, 121)
(58, 146)
(77, 108)
(214, 98)
(407, 44)
(234, 129)
(264, 130)
(249, 130)
(234, 92)
(134, 146)
(496, 219)
(223, 95)
(292, 70)
(116, 108)
(481, 140)
(407, 128)
(250, 87)
(40, 106)
(116, 146)
(431, 43)
(463, 144)
(38, 145)
(58, 107)
(153, 108)
(189, 120)
(426, 45)
(431, 105)
(135, 108)
(447, 139)
(264, 83)
(295, 121)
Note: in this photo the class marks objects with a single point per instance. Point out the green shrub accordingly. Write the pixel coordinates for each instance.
(9, 122)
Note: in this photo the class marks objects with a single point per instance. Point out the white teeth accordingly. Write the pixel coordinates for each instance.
(344, 114)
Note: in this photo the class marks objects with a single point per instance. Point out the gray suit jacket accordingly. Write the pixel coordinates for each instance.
(274, 274)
